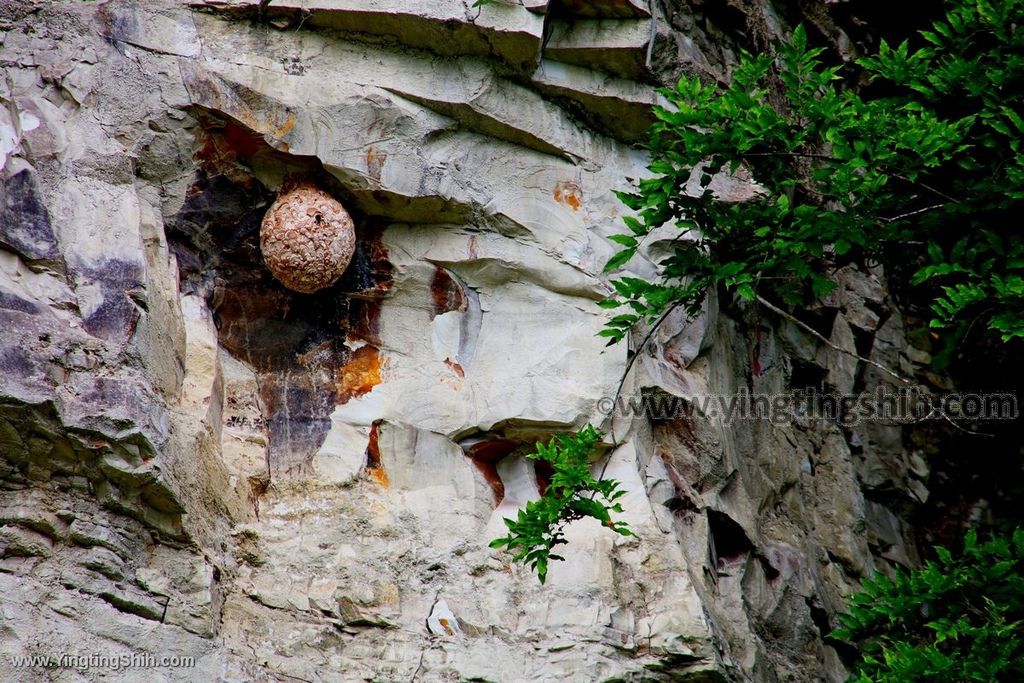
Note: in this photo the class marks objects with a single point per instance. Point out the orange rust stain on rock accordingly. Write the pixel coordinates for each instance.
(359, 375)
(271, 129)
(568, 193)
(374, 163)
(374, 466)
(285, 127)
(379, 476)
(456, 368)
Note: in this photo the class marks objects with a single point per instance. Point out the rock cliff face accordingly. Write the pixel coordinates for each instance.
(196, 461)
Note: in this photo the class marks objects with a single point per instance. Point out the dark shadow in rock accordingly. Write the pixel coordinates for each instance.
(293, 341)
(117, 314)
(24, 221)
(728, 541)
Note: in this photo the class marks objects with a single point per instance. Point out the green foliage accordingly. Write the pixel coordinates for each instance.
(957, 619)
(573, 494)
(924, 169)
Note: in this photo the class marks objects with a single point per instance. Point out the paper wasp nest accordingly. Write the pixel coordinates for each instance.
(307, 238)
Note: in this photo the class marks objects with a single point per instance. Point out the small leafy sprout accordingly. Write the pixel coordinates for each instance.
(573, 494)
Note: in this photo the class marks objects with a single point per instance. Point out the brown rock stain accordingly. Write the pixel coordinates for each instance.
(542, 473)
(455, 367)
(446, 292)
(226, 140)
(568, 193)
(223, 144)
(373, 271)
(364, 321)
(359, 375)
(601, 8)
(374, 163)
(374, 465)
(485, 456)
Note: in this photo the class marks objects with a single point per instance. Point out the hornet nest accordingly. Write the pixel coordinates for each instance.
(307, 238)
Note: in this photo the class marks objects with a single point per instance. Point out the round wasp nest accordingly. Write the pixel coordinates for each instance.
(307, 238)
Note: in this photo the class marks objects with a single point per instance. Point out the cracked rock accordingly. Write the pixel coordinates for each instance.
(442, 621)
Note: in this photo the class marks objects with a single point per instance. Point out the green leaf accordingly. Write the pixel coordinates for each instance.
(624, 240)
(634, 225)
(573, 493)
(619, 259)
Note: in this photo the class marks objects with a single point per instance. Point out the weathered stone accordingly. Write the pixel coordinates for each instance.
(351, 615)
(615, 47)
(31, 511)
(621, 107)
(24, 220)
(134, 601)
(442, 622)
(842, 367)
(857, 296)
(501, 109)
(506, 30)
(24, 542)
(89, 534)
(105, 562)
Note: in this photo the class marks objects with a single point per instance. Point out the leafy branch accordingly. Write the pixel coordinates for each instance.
(928, 173)
(573, 494)
(956, 619)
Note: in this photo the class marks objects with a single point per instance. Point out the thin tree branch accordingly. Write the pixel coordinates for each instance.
(817, 335)
(914, 213)
(622, 382)
(931, 189)
(820, 337)
(792, 155)
(825, 157)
